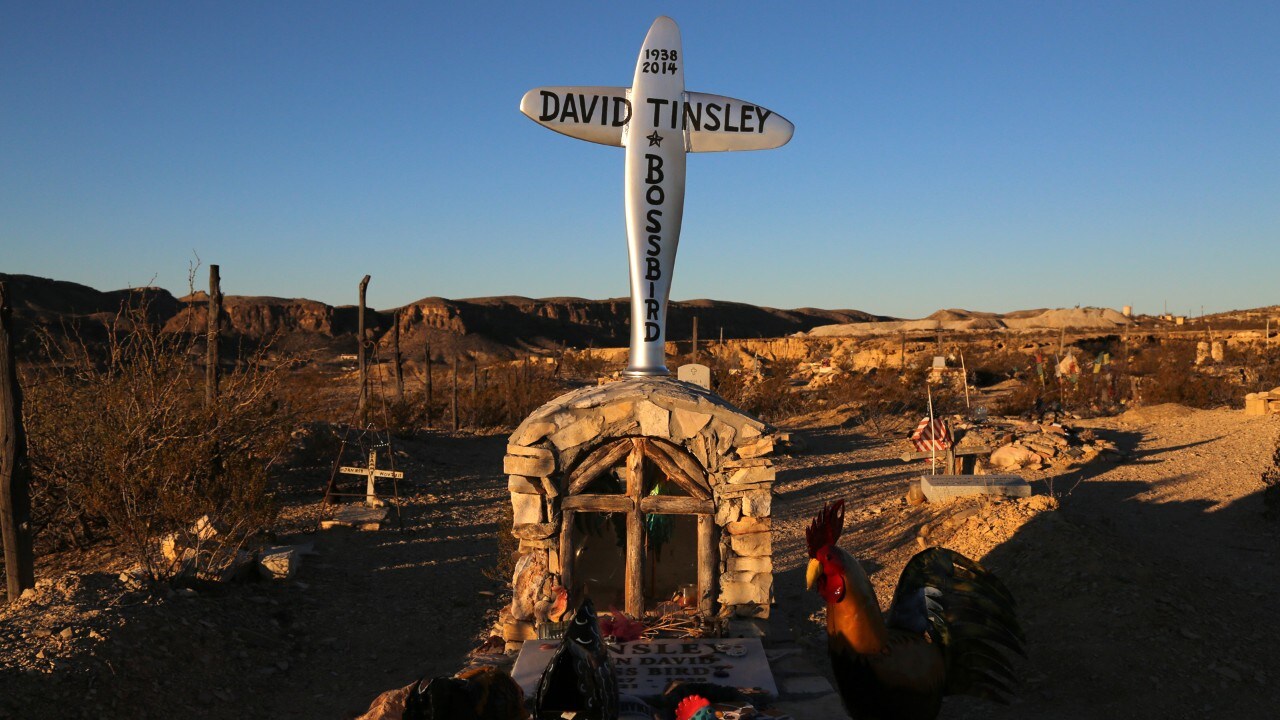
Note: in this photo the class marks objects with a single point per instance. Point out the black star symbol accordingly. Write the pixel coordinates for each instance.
(655, 139)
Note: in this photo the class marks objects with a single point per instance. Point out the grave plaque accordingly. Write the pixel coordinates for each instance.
(940, 488)
(699, 375)
(658, 122)
(646, 667)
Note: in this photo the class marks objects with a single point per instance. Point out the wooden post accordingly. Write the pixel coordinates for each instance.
(211, 369)
(634, 582)
(567, 551)
(430, 395)
(395, 355)
(475, 392)
(15, 473)
(707, 564)
(903, 343)
(364, 369)
(455, 393)
(695, 338)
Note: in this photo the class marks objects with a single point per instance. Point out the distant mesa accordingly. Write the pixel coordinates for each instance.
(952, 319)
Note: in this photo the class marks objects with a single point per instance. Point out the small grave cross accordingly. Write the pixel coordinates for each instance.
(372, 472)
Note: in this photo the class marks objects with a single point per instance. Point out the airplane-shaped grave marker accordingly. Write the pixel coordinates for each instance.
(657, 122)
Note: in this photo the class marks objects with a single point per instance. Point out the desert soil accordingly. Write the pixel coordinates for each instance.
(1144, 585)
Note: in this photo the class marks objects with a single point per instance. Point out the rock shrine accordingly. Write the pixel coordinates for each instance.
(637, 492)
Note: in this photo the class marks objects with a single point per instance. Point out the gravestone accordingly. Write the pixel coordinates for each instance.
(941, 488)
(657, 121)
(646, 667)
(699, 375)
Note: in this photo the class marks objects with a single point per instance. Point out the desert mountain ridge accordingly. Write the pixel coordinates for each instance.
(496, 327)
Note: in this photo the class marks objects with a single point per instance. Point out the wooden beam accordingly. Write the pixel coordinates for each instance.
(693, 471)
(676, 505)
(566, 554)
(590, 502)
(597, 462)
(708, 561)
(15, 473)
(635, 532)
(674, 472)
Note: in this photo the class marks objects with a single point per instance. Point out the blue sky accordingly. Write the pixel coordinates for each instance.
(991, 156)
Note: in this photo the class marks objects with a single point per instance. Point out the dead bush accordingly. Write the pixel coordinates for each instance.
(121, 443)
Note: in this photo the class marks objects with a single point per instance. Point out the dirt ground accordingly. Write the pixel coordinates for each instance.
(1144, 588)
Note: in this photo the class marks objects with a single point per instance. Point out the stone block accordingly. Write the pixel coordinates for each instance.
(750, 610)
(742, 593)
(749, 525)
(527, 545)
(753, 474)
(654, 420)
(728, 510)
(687, 423)
(749, 431)
(753, 545)
(358, 517)
(278, 563)
(237, 567)
(583, 431)
(172, 548)
(941, 488)
(549, 488)
(519, 631)
(524, 485)
(527, 509)
(756, 564)
(531, 432)
(759, 448)
(758, 503)
(530, 462)
(617, 412)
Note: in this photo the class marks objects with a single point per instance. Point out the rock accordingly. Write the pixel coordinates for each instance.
(527, 509)
(759, 448)
(530, 462)
(519, 631)
(388, 706)
(751, 564)
(278, 563)
(1013, 457)
(207, 528)
(580, 432)
(728, 510)
(654, 420)
(915, 496)
(526, 585)
(758, 503)
(67, 633)
(756, 474)
(530, 433)
(749, 525)
(687, 423)
(617, 412)
(752, 545)
(522, 484)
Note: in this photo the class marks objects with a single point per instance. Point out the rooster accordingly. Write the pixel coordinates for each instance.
(580, 677)
(945, 632)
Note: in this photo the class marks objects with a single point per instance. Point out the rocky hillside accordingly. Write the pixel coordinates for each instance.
(498, 327)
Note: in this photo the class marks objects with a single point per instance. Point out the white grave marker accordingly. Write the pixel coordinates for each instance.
(371, 473)
(695, 373)
(657, 122)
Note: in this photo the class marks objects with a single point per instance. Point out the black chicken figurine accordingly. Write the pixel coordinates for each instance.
(580, 676)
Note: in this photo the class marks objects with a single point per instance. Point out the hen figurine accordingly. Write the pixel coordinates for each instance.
(946, 631)
(580, 677)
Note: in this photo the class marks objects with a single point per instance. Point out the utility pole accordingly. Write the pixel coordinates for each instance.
(211, 368)
(455, 393)
(695, 338)
(364, 368)
(475, 392)
(15, 473)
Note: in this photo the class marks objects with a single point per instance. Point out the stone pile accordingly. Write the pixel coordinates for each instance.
(1032, 446)
(1266, 402)
(208, 552)
(730, 447)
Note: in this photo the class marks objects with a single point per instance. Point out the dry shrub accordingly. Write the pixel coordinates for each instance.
(121, 441)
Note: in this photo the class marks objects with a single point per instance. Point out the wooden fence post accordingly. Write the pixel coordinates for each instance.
(395, 353)
(364, 368)
(695, 339)
(475, 392)
(430, 396)
(211, 368)
(455, 393)
(15, 473)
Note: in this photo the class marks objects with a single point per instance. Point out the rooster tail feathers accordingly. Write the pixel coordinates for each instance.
(969, 613)
(826, 527)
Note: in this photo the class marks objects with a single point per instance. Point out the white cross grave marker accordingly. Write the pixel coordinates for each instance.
(657, 122)
(372, 472)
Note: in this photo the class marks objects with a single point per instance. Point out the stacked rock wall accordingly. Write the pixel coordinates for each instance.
(731, 446)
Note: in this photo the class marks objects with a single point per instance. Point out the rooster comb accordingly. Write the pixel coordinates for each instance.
(689, 706)
(825, 528)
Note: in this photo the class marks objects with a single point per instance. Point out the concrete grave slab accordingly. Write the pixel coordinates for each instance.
(360, 517)
(941, 488)
(645, 668)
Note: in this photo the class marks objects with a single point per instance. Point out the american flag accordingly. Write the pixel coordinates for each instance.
(931, 435)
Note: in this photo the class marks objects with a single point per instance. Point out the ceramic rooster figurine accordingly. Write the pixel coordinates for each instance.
(580, 677)
(946, 631)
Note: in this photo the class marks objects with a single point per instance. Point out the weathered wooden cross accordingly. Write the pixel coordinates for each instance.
(372, 472)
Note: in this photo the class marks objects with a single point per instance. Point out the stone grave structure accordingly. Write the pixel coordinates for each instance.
(590, 470)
